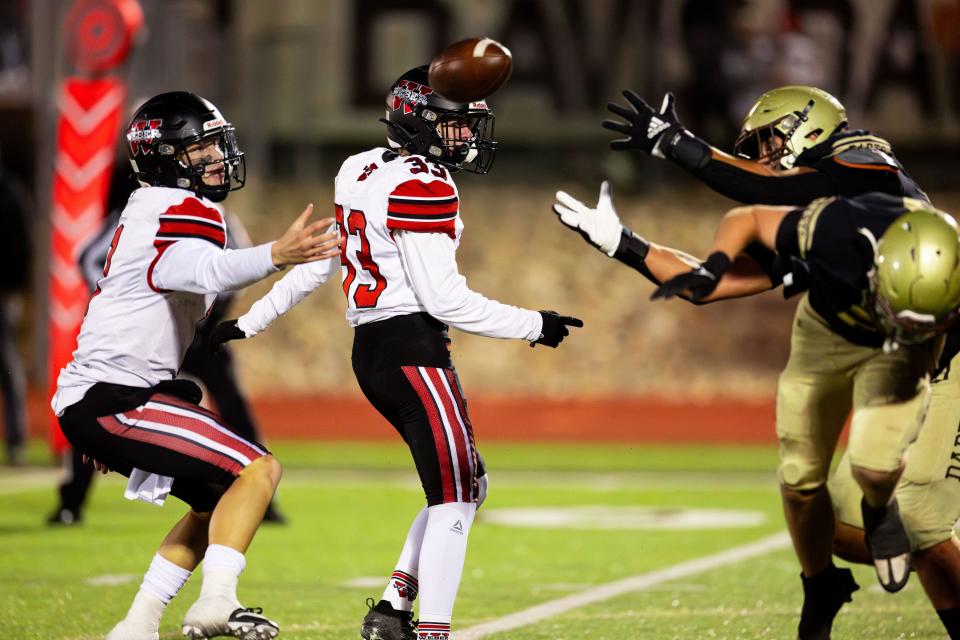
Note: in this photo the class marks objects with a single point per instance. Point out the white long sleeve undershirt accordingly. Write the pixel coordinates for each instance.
(286, 293)
(196, 266)
(429, 260)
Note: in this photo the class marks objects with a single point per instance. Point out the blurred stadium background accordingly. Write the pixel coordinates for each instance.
(304, 81)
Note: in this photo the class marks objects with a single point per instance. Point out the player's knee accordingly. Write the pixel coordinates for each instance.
(798, 497)
(799, 471)
(265, 468)
(875, 480)
(456, 517)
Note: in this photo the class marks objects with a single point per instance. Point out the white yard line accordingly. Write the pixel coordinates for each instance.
(624, 586)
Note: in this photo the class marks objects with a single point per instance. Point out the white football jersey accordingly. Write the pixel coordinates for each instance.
(135, 332)
(376, 194)
(400, 228)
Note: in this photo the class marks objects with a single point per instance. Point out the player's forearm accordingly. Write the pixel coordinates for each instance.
(748, 181)
(286, 293)
(195, 266)
(455, 304)
(430, 265)
(736, 232)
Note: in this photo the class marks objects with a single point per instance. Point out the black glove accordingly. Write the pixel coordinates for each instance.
(224, 332)
(700, 282)
(555, 328)
(644, 127)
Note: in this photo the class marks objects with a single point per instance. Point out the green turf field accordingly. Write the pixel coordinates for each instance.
(350, 505)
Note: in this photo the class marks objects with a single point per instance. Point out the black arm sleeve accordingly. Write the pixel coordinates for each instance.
(632, 251)
(751, 188)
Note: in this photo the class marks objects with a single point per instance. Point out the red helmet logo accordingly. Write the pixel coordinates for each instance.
(141, 133)
(408, 92)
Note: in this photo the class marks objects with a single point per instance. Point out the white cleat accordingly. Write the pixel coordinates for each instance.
(126, 630)
(216, 617)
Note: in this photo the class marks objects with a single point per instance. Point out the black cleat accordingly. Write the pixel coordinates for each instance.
(823, 595)
(383, 622)
(888, 543)
(65, 517)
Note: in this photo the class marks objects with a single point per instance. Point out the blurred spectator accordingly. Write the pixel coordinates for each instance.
(14, 280)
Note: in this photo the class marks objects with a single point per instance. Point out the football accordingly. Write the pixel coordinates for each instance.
(470, 70)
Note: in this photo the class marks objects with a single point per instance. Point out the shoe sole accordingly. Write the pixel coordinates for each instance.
(241, 630)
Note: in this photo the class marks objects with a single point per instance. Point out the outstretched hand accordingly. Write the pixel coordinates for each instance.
(599, 226)
(299, 243)
(697, 283)
(555, 328)
(644, 127)
(224, 332)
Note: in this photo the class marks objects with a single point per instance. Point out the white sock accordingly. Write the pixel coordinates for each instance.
(402, 589)
(222, 567)
(162, 581)
(441, 565)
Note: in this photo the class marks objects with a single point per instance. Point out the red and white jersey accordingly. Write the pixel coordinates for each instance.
(377, 195)
(167, 261)
(400, 227)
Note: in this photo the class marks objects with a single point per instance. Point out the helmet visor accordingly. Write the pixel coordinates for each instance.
(467, 138)
(215, 162)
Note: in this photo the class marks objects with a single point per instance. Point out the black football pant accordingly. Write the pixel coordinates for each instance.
(215, 371)
(404, 369)
(160, 430)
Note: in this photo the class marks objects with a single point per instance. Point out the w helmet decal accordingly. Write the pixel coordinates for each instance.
(141, 133)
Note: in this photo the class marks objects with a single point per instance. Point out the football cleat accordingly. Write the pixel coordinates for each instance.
(217, 616)
(126, 630)
(888, 543)
(383, 622)
(65, 516)
(823, 595)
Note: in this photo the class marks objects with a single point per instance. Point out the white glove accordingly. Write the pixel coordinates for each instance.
(600, 226)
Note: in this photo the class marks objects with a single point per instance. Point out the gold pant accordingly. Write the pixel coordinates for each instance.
(929, 491)
(827, 376)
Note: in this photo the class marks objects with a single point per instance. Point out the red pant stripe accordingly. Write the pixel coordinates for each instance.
(462, 407)
(170, 442)
(439, 436)
(196, 423)
(459, 436)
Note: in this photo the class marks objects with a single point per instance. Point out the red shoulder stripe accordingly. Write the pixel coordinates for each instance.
(195, 208)
(418, 209)
(447, 226)
(171, 231)
(423, 190)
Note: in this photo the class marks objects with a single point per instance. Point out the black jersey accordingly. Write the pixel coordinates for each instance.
(835, 239)
(858, 162)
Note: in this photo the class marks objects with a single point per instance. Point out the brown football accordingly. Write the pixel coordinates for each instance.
(471, 69)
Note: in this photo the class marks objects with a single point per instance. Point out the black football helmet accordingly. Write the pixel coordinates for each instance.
(458, 135)
(158, 137)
